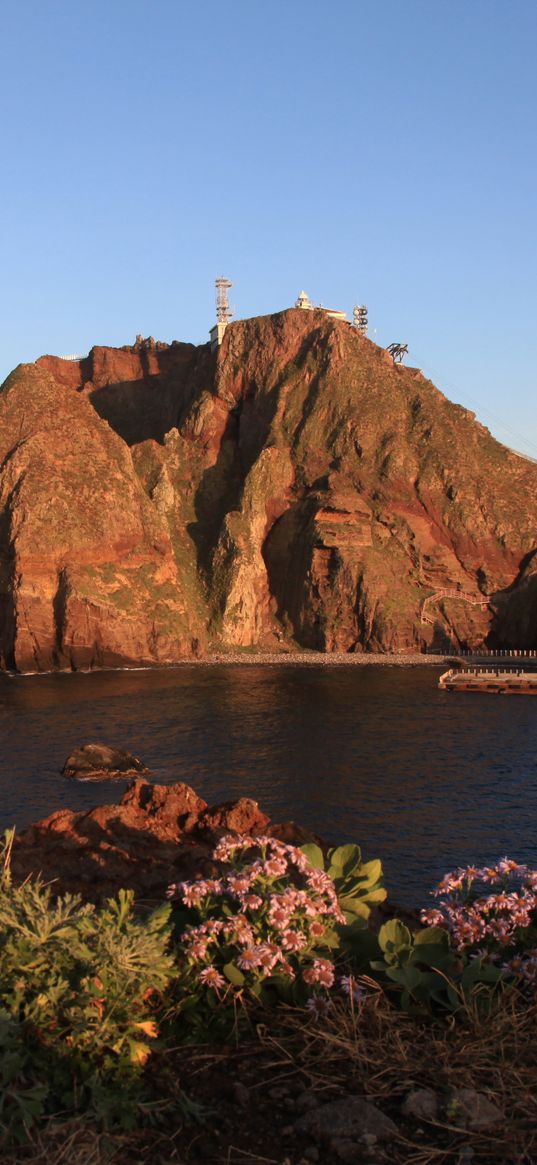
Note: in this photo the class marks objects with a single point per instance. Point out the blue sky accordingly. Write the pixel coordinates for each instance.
(377, 151)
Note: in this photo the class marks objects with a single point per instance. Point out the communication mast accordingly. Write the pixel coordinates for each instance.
(223, 311)
(224, 314)
(359, 319)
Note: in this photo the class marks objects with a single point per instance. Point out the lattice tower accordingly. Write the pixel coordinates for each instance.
(359, 318)
(223, 311)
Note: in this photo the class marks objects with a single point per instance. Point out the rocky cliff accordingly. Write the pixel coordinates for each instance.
(294, 488)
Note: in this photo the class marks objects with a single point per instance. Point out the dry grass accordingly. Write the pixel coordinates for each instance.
(374, 1051)
(383, 1054)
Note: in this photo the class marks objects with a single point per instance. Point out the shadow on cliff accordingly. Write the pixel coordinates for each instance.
(514, 624)
(8, 572)
(146, 409)
(246, 434)
(219, 491)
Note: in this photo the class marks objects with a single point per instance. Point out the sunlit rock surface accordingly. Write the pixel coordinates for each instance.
(292, 489)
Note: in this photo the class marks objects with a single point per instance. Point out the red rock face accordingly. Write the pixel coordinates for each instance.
(157, 834)
(295, 488)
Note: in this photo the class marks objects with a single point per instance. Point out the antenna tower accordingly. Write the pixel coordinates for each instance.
(223, 311)
(359, 318)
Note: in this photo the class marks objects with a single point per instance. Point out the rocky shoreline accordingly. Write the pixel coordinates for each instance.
(322, 659)
(270, 659)
(156, 834)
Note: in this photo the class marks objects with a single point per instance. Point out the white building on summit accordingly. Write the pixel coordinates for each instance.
(304, 302)
(224, 314)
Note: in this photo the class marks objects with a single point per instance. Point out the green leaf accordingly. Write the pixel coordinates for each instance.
(394, 935)
(432, 936)
(433, 955)
(408, 977)
(346, 858)
(372, 870)
(233, 974)
(378, 895)
(314, 855)
(355, 906)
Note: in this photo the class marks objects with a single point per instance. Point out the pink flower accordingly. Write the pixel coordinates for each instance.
(319, 881)
(198, 949)
(239, 883)
(269, 955)
(213, 885)
(210, 977)
(191, 893)
(248, 959)
(275, 867)
(433, 918)
(251, 901)
(294, 940)
(278, 917)
(321, 972)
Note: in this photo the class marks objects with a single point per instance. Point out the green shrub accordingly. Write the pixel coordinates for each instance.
(77, 991)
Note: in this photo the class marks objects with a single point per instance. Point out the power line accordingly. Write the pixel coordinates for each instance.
(480, 408)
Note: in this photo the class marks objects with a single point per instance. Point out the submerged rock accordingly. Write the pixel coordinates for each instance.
(99, 762)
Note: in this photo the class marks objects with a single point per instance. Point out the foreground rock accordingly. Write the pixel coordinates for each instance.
(350, 1118)
(99, 762)
(294, 488)
(155, 835)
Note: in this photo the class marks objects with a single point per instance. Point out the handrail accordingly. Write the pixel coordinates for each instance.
(446, 593)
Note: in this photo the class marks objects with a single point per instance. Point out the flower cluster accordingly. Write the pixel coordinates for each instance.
(270, 916)
(490, 912)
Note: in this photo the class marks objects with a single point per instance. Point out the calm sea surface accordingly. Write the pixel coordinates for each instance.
(421, 778)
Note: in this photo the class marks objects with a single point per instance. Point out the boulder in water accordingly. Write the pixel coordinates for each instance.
(99, 762)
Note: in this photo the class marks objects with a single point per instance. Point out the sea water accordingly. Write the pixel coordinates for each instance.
(423, 779)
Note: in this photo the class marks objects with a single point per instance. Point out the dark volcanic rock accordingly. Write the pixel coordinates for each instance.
(100, 762)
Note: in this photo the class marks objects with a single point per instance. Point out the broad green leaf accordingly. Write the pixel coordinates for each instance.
(314, 855)
(378, 895)
(408, 977)
(372, 870)
(347, 858)
(233, 974)
(433, 955)
(394, 934)
(355, 906)
(432, 936)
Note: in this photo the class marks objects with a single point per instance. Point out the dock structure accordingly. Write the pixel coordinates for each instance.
(501, 681)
